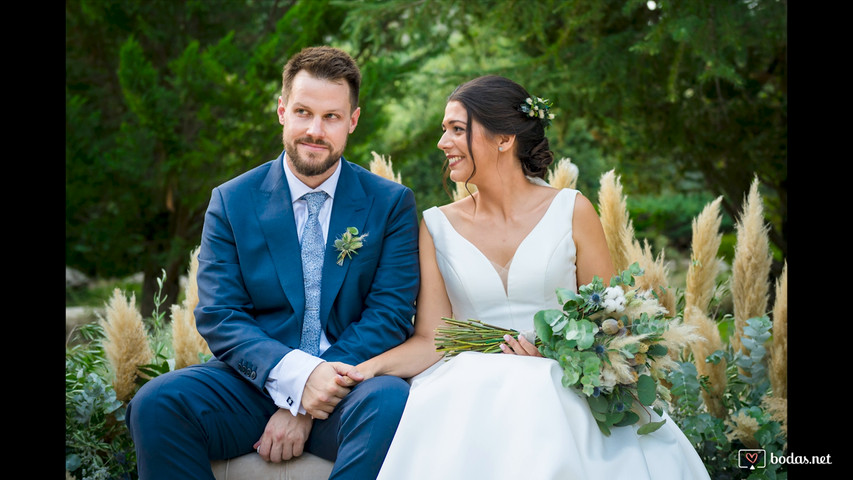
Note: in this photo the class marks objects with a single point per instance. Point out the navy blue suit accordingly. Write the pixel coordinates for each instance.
(250, 310)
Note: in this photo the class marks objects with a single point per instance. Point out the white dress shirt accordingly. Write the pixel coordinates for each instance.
(286, 381)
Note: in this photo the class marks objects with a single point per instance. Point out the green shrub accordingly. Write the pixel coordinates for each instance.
(670, 217)
(97, 442)
(715, 439)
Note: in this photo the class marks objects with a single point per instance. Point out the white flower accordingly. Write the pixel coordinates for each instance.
(608, 378)
(614, 299)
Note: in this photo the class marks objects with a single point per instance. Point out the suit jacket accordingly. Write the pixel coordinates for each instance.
(250, 287)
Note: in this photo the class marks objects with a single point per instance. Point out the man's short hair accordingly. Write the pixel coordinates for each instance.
(325, 63)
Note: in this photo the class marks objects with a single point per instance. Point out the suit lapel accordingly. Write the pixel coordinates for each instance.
(275, 211)
(350, 209)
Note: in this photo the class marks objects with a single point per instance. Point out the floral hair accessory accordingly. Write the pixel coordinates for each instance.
(349, 242)
(538, 107)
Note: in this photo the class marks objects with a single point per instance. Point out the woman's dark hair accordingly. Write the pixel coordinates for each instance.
(494, 101)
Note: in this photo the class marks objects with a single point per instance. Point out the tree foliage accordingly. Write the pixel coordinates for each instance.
(165, 100)
(681, 97)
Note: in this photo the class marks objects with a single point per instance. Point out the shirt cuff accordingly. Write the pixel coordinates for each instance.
(286, 381)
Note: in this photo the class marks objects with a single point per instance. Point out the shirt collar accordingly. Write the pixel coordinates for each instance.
(298, 189)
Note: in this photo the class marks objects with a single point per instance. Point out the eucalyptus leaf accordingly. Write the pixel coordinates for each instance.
(564, 295)
(72, 462)
(629, 419)
(716, 357)
(615, 417)
(646, 390)
(570, 376)
(591, 367)
(599, 416)
(542, 322)
(650, 427)
(657, 350)
(572, 330)
(598, 404)
(587, 331)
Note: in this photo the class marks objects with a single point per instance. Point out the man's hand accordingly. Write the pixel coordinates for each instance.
(284, 436)
(327, 385)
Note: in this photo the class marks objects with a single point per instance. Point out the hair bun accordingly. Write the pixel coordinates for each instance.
(536, 162)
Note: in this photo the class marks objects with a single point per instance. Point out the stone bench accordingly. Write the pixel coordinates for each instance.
(252, 467)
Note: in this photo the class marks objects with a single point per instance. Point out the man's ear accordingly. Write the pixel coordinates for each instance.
(354, 119)
(280, 110)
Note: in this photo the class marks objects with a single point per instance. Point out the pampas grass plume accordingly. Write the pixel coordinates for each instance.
(186, 340)
(779, 350)
(751, 265)
(743, 429)
(618, 228)
(707, 329)
(704, 265)
(778, 409)
(126, 344)
(564, 175)
(655, 275)
(382, 167)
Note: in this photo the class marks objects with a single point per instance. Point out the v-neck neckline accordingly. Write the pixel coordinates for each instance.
(511, 261)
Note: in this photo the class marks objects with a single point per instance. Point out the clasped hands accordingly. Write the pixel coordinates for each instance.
(285, 434)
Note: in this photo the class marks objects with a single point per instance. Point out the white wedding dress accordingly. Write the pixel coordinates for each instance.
(495, 416)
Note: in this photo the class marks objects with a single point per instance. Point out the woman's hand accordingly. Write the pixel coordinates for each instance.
(366, 369)
(522, 346)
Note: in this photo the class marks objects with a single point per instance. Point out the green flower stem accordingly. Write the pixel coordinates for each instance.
(471, 335)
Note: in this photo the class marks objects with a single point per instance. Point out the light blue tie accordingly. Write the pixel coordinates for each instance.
(313, 249)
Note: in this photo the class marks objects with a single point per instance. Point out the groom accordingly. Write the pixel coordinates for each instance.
(285, 313)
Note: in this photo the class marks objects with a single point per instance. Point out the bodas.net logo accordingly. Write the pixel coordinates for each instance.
(752, 458)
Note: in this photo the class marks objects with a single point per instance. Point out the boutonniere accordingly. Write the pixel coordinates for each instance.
(349, 242)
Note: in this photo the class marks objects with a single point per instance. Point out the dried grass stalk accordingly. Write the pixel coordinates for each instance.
(564, 175)
(751, 265)
(743, 429)
(382, 167)
(779, 349)
(618, 228)
(126, 344)
(704, 264)
(186, 340)
(778, 409)
(716, 373)
(655, 275)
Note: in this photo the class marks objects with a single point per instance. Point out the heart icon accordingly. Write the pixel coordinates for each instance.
(751, 457)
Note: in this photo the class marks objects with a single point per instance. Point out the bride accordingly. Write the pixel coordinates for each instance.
(498, 256)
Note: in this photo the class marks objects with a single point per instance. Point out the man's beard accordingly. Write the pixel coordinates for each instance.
(310, 168)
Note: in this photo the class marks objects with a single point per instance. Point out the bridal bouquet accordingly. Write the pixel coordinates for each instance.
(612, 343)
